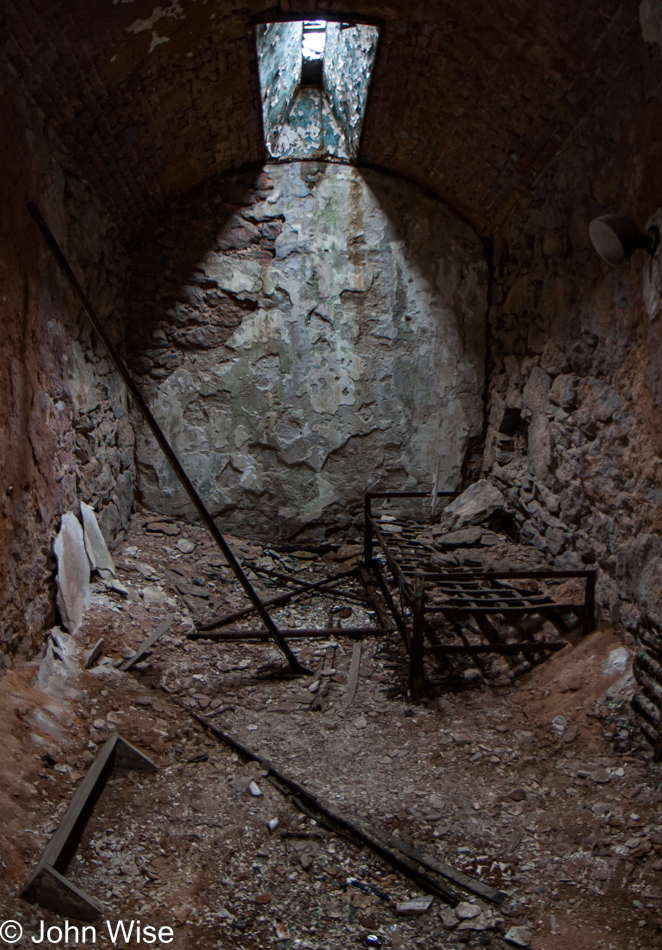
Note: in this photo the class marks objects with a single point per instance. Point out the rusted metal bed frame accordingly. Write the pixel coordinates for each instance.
(467, 593)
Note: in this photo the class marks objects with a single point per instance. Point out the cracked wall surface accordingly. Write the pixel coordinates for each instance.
(470, 106)
(328, 338)
(279, 64)
(349, 55)
(65, 435)
(575, 401)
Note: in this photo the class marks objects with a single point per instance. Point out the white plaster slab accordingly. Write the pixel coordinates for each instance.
(73, 572)
(95, 544)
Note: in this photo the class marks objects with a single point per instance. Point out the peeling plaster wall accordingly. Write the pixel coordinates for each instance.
(349, 55)
(279, 62)
(311, 129)
(301, 122)
(65, 435)
(575, 352)
(318, 332)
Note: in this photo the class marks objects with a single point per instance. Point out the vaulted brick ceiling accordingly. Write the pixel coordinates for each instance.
(470, 99)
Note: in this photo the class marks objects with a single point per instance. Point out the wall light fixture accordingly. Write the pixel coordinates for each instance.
(616, 238)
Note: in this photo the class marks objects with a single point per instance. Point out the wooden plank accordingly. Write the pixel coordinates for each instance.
(94, 653)
(50, 889)
(147, 644)
(46, 882)
(325, 685)
(291, 632)
(353, 675)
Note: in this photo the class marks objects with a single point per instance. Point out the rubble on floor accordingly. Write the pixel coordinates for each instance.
(544, 790)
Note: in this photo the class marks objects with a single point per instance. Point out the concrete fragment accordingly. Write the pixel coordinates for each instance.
(163, 527)
(518, 936)
(448, 918)
(153, 596)
(465, 910)
(465, 537)
(73, 572)
(411, 908)
(482, 921)
(94, 653)
(95, 544)
(536, 391)
(478, 503)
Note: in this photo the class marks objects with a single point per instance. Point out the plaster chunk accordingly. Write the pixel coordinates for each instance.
(478, 503)
(73, 572)
(95, 544)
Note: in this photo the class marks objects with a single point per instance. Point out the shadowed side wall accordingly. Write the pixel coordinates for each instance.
(575, 408)
(318, 332)
(64, 430)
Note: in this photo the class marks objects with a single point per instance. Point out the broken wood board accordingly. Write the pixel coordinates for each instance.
(353, 679)
(147, 644)
(47, 885)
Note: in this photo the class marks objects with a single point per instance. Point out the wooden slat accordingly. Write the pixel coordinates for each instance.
(147, 644)
(353, 675)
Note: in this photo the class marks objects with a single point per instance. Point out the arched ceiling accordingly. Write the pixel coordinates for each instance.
(468, 98)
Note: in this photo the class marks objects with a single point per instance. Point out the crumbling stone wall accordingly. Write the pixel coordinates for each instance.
(65, 435)
(575, 402)
(304, 335)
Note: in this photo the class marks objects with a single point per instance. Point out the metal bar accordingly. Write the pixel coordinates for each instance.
(293, 632)
(461, 574)
(416, 652)
(339, 821)
(333, 582)
(503, 649)
(367, 538)
(289, 579)
(160, 437)
(496, 609)
(398, 576)
(374, 599)
(410, 494)
(278, 600)
(392, 606)
(458, 877)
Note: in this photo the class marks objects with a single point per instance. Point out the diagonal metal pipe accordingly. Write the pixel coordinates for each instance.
(160, 437)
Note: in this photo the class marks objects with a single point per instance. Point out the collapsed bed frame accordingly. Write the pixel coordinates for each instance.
(464, 618)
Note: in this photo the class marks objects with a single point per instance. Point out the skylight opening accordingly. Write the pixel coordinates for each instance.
(313, 39)
(314, 77)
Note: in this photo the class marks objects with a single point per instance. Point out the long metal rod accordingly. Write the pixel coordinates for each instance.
(294, 632)
(304, 590)
(339, 821)
(166, 448)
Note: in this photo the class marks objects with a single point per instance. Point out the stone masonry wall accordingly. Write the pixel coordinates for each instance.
(303, 335)
(575, 401)
(65, 435)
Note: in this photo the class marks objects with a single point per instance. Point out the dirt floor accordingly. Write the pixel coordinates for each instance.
(543, 788)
